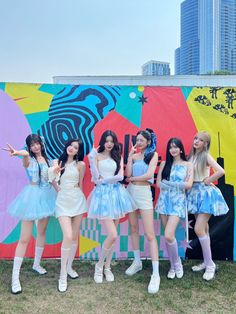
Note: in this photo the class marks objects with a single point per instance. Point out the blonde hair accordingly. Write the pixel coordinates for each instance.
(200, 159)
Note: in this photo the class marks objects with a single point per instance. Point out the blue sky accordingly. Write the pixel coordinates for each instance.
(41, 39)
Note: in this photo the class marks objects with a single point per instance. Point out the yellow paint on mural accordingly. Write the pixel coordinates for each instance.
(28, 97)
(141, 88)
(86, 245)
(215, 121)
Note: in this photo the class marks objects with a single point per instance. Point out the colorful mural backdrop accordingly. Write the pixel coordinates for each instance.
(60, 112)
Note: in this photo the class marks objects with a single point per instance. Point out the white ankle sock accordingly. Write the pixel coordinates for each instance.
(137, 256)
(155, 268)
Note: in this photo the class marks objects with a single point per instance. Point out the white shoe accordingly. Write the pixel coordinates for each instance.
(62, 284)
(16, 286)
(108, 275)
(40, 270)
(209, 272)
(179, 272)
(198, 267)
(134, 268)
(98, 274)
(154, 284)
(171, 273)
(72, 274)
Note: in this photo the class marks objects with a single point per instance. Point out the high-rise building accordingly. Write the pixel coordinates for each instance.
(208, 37)
(156, 68)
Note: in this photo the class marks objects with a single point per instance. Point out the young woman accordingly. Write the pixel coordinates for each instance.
(205, 199)
(35, 202)
(140, 170)
(70, 204)
(175, 176)
(109, 200)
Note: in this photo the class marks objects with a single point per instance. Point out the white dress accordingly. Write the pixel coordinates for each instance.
(70, 199)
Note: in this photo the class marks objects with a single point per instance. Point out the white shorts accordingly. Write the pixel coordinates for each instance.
(141, 195)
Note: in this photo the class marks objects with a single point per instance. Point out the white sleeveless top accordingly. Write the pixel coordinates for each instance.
(70, 176)
(107, 167)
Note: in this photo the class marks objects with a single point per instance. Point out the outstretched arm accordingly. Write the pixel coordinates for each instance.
(23, 153)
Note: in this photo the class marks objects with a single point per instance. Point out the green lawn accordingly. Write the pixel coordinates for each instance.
(191, 294)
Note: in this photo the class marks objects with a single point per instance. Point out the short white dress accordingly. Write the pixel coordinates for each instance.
(70, 200)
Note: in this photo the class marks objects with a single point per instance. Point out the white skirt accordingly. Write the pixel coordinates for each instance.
(70, 202)
(142, 195)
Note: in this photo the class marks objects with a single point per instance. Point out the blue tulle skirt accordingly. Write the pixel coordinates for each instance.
(34, 202)
(110, 201)
(206, 199)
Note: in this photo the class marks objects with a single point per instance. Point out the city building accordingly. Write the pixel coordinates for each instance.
(156, 68)
(208, 37)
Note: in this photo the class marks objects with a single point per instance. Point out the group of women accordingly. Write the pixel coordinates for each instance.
(185, 186)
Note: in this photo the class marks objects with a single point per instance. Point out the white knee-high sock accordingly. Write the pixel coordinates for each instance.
(206, 250)
(109, 256)
(172, 248)
(16, 267)
(103, 256)
(72, 254)
(64, 259)
(38, 255)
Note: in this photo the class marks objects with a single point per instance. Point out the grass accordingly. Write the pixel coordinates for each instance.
(191, 294)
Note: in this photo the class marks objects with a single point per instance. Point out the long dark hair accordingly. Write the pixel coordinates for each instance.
(150, 136)
(169, 158)
(78, 157)
(115, 152)
(30, 140)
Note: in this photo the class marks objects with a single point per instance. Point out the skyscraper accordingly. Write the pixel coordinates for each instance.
(156, 68)
(208, 37)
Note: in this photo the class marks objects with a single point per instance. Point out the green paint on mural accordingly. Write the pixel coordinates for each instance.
(123, 243)
(52, 89)
(36, 120)
(186, 91)
(129, 105)
(53, 232)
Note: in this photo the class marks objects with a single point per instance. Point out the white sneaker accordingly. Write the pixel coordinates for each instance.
(198, 267)
(171, 273)
(72, 273)
(154, 284)
(108, 275)
(62, 284)
(179, 271)
(209, 272)
(134, 268)
(16, 286)
(39, 269)
(98, 274)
